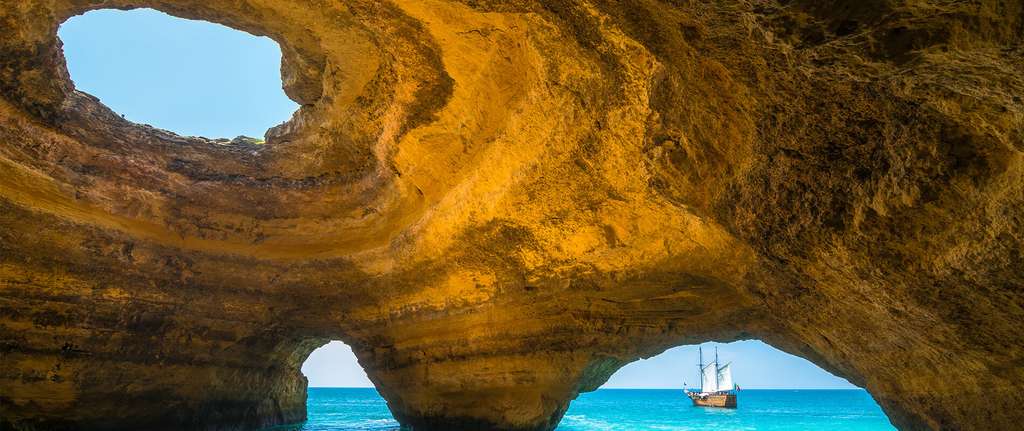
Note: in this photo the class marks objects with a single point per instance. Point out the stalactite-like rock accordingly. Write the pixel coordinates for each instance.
(500, 203)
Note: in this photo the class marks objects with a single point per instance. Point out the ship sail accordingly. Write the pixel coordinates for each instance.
(724, 381)
(716, 385)
(709, 381)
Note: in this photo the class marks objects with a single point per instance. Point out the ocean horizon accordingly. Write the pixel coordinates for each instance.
(637, 409)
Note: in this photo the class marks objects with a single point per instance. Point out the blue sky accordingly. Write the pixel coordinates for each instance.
(190, 77)
(756, 365)
(203, 79)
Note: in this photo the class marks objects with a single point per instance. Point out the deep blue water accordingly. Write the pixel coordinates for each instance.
(350, 409)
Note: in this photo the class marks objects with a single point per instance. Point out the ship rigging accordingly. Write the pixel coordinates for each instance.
(717, 388)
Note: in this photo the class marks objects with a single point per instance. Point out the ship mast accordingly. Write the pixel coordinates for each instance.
(700, 368)
(716, 360)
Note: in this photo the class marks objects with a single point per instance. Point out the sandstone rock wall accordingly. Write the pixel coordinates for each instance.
(500, 203)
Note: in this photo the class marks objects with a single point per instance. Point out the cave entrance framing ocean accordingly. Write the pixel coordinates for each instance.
(332, 367)
(498, 205)
(644, 395)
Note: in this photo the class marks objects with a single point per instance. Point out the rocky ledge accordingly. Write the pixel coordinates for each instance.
(500, 203)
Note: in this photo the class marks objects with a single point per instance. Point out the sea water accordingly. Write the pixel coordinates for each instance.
(352, 409)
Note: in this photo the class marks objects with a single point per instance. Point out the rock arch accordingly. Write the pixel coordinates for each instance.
(497, 204)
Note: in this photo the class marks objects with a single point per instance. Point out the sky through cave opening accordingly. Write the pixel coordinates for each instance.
(333, 365)
(777, 391)
(194, 78)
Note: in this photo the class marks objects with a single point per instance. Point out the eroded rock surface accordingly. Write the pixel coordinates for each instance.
(500, 203)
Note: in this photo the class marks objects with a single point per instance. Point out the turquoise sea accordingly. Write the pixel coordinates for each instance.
(352, 409)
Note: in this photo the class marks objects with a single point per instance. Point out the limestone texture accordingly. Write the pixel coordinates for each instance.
(497, 204)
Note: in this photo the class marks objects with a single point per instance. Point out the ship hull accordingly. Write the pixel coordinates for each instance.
(726, 401)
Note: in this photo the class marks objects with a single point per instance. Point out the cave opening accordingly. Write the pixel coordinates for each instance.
(776, 390)
(339, 394)
(193, 78)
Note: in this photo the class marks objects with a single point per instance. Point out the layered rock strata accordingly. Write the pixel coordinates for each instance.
(497, 204)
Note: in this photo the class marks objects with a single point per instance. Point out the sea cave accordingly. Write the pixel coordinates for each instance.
(499, 204)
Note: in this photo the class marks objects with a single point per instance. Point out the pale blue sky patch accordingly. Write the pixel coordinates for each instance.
(190, 77)
(335, 366)
(755, 365)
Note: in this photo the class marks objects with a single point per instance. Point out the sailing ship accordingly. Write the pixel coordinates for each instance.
(716, 386)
